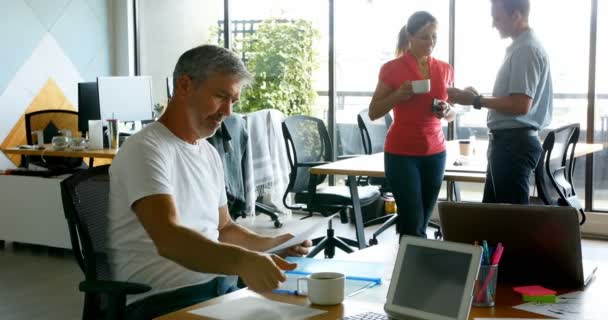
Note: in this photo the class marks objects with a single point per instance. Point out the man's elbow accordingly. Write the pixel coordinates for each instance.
(165, 250)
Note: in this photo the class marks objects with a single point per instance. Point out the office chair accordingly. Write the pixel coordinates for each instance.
(373, 134)
(308, 145)
(555, 168)
(85, 204)
(50, 122)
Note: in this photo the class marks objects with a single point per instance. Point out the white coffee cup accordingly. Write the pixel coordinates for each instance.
(421, 86)
(324, 288)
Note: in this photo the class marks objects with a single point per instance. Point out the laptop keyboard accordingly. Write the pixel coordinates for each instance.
(367, 316)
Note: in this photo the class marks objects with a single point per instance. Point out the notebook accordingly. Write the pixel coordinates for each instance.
(542, 243)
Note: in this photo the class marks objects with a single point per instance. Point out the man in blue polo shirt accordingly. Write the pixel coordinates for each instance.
(520, 105)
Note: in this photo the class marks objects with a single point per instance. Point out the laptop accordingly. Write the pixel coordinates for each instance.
(542, 243)
(431, 280)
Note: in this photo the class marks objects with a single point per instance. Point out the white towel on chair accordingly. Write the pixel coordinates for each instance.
(269, 156)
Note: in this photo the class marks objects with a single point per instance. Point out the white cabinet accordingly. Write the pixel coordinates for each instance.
(31, 211)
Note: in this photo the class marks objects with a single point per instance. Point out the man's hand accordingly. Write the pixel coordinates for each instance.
(262, 272)
(464, 97)
(471, 89)
(294, 251)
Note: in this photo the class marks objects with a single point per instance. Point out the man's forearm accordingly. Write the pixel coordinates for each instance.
(195, 252)
(237, 235)
(509, 104)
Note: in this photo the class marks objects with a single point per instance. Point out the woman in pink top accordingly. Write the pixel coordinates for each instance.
(414, 151)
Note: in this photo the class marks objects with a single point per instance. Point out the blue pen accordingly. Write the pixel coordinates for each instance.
(284, 291)
(486, 252)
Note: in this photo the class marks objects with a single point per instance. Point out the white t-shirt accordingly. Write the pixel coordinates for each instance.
(155, 161)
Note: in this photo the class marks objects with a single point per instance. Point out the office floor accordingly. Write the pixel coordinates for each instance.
(37, 283)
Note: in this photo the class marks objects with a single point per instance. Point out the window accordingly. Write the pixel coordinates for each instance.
(166, 30)
(311, 16)
(600, 170)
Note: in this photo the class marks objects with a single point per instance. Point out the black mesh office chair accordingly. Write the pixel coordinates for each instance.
(373, 134)
(50, 122)
(553, 173)
(308, 145)
(85, 202)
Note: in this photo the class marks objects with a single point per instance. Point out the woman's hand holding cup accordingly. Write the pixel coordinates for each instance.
(404, 92)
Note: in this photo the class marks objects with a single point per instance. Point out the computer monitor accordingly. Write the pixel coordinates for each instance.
(88, 105)
(125, 98)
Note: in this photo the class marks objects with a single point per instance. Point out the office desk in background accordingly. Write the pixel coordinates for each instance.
(472, 170)
(373, 298)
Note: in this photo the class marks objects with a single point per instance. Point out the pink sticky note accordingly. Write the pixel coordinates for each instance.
(534, 291)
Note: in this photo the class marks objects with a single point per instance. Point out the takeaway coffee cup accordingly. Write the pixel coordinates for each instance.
(465, 147)
(421, 86)
(324, 288)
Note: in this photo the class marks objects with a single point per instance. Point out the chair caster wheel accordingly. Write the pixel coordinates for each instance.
(277, 224)
(373, 241)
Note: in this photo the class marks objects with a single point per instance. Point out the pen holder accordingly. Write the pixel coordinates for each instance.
(113, 133)
(484, 292)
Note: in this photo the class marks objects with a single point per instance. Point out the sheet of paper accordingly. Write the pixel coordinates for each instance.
(301, 236)
(569, 306)
(253, 308)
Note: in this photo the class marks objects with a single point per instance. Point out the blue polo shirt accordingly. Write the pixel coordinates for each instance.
(525, 70)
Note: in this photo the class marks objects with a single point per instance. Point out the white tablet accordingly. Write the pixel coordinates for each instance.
(433, 280)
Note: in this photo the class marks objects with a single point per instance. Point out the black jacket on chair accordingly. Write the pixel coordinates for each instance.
(230, 141)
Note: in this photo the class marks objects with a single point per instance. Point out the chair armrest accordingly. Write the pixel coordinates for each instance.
(312, 164)
(113, 287)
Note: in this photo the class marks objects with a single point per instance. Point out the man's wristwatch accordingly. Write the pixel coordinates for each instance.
(477, 102)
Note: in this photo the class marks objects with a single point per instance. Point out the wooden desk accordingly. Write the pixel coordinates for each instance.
(386, 254)
(48, 151)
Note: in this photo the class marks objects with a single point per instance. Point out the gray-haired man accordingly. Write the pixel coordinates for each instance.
(169, 226)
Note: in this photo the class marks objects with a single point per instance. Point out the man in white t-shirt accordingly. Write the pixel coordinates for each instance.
(169, 225)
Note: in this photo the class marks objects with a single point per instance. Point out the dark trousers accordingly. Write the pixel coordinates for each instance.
(512, 156)
(167, 302)
(415, 182)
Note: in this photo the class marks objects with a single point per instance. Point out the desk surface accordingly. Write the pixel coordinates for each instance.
(48, 151)
(385, 253)
(474, 171)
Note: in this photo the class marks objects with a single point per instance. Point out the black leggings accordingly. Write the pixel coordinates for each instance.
(415, 182)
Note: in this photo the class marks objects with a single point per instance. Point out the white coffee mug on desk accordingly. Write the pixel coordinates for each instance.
(325, 288)
(421, 86)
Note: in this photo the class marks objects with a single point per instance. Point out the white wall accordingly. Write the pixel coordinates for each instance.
(167, 29)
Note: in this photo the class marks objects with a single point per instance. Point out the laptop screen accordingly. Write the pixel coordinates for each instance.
(433, 279)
